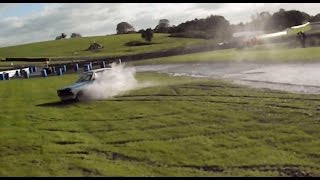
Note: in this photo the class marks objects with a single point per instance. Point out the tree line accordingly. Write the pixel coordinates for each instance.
(278, 21)
(217, 27)
(64, 36)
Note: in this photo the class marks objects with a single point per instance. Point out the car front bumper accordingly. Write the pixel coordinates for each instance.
(66, 94)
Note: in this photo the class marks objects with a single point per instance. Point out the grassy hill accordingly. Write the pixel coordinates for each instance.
(114, 45)
(252, 54)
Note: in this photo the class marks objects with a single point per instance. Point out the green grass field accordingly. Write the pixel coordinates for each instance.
(280, 54)
(114, 45)
(182, 127)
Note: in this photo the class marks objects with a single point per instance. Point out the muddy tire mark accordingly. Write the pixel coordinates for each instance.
(78, 152)
(181, 100)
(283, 170)
(287, 107)
(203, 168)
(86, 171)
(141, 117)
(217, 95)
(67, 142)
(172, 138)
(154, 127)
(114, 156)
(61, 130)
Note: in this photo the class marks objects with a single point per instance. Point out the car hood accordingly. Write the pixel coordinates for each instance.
(77, 85)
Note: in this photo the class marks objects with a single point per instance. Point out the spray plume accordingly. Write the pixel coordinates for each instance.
(113, 82)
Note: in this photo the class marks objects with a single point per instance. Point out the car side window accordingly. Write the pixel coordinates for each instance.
(86, 77)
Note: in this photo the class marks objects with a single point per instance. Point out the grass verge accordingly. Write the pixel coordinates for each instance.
(182, 127)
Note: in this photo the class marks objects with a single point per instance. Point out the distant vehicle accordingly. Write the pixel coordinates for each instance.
(75, 91)
(224, 45)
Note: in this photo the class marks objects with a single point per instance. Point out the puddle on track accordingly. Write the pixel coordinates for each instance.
(291, 77)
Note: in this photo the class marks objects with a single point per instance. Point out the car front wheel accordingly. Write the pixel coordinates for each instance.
(79, 96)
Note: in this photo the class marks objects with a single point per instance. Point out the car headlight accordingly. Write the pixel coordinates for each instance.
(65, 92)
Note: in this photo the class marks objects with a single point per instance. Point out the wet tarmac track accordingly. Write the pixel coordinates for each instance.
(292, 77)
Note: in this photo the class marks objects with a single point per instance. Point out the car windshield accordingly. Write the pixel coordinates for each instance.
(85, 77)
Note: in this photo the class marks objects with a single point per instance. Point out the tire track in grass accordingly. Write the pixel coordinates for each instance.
(85, 171)
(115, 130)
(290, 170)
(286, 106)
(224, 132)
(217, 95)
(182, 100)
(124, 119)
(68, 142)
(60, 130)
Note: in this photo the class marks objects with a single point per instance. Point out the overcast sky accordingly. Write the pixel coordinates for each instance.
(33, 22)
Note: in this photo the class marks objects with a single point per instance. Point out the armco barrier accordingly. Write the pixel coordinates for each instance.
(44, 73)
(103, 64)
(54, 70)
(76, 67)
(86, 67)
(59, 72)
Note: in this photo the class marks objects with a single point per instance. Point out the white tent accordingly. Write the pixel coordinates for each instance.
(13, 72)
(301, 28)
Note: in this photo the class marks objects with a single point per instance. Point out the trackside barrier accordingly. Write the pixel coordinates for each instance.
(44, 73)
(59, 72)
(103, 64)
(86, 67)
(76, 67)
(54, 70)
(30, 69)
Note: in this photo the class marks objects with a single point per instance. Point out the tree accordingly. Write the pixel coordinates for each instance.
(74, 35)
(125, 28)
(62, 36)
(210, 27)
(163, 26)
(147, 34)
(315, 18)
(285, 19)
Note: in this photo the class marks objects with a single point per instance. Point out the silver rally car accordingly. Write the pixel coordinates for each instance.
(75, 91)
